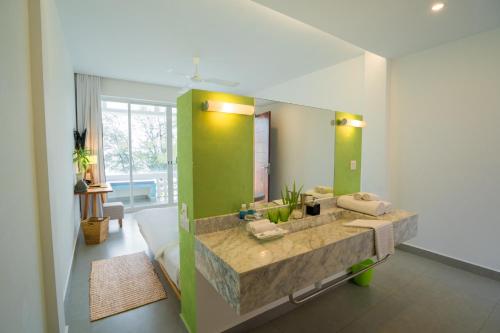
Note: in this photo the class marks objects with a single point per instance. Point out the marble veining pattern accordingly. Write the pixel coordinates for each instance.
(249, 273)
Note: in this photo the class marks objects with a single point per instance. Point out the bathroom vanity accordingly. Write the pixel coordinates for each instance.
(249, 273)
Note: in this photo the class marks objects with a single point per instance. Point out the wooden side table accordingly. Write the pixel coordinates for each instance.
(94, 192)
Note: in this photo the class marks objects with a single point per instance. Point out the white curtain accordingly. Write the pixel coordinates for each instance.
(88, 116)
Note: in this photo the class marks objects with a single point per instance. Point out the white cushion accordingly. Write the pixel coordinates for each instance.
(115, 210)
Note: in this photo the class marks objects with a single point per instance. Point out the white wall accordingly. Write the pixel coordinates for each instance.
(39, 209)
(338, 88)
(356, 86)
(374, 159)
(302, 146)
(139, 90)
(445, 136)
(21, 287)
(59, 107)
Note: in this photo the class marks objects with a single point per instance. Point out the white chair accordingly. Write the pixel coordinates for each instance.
(115, 211)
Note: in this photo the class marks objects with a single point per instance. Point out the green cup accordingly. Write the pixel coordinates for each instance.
(273, 215)
(284, 213)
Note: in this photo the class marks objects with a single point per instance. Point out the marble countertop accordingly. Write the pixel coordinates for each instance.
(236, 263)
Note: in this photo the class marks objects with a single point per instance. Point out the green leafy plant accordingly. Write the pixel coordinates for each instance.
(291, 197)
(81, 158)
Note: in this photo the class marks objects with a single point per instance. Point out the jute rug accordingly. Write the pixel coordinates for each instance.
(122, 283)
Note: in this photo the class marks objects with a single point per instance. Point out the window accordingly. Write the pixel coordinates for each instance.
(140, 150)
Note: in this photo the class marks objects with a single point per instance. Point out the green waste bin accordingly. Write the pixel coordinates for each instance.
(365, 278)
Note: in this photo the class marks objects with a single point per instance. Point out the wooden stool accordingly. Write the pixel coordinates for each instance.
(115, 211)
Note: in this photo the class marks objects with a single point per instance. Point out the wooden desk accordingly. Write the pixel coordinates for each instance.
(94, 192)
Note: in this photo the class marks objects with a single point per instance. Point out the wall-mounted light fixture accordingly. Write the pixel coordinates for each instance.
(352, 122)
(226, 107)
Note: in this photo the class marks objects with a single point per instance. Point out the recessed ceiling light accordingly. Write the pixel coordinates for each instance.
(437, 6)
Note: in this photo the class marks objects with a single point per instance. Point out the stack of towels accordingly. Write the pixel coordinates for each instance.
(366, 203)
(321, 192)
(264, 229)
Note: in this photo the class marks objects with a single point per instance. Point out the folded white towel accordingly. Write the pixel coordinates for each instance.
(367, 196)
(358, 196)
(384, 235)
(323, 189)
(387, 207)
(374, 208)
(257, 227)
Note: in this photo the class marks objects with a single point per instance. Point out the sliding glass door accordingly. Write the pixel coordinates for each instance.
(140, 144)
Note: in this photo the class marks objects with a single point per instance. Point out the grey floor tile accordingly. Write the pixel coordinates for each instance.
(332, 311)
(468, 283)
(161, 316)
(492, 324)
(425, 307)
(408, 294)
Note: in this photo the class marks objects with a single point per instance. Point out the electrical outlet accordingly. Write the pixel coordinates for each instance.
(184, 217)
(353, 165)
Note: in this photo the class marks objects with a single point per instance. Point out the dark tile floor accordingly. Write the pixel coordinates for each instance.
(161, 316)
(409, 294)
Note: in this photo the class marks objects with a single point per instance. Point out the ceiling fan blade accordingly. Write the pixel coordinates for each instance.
(221, 82)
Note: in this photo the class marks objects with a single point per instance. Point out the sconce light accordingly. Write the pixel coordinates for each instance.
(352, 122)
(225, 107)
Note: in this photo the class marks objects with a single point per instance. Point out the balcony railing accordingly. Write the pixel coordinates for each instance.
(147, 189)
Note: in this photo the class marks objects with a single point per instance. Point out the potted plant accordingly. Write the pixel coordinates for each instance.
(291, 197)
(81, 158)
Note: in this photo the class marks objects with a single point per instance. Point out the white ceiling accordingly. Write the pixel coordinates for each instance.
(393, 28)
(236, 40)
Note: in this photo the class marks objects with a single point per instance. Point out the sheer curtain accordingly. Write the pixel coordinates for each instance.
(88, 116)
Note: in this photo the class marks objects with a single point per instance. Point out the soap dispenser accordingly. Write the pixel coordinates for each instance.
(243, 211)
(251, 208)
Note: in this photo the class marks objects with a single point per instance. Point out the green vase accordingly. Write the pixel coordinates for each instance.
(273, 215)
(284, 213)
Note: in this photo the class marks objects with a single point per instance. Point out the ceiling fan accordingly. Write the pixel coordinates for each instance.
(197, 78)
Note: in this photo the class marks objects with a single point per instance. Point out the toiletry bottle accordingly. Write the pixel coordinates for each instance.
(251, 208)
(243, 211)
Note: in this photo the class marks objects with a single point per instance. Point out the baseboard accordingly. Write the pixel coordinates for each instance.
(466, 266)
(70, 270)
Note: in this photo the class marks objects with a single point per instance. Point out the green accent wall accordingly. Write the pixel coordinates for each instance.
(215, 173)
(348, 141)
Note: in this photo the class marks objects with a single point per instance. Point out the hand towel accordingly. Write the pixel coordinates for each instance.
(259, 226)
(384, 235)
(387, 207)
(374, 208)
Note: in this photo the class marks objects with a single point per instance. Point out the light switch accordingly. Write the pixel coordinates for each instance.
(353, 165)
(184, 217)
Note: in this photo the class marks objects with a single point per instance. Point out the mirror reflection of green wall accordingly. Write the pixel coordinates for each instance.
(348, 142)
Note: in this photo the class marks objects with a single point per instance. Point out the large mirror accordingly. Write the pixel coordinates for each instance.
(292, 143)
